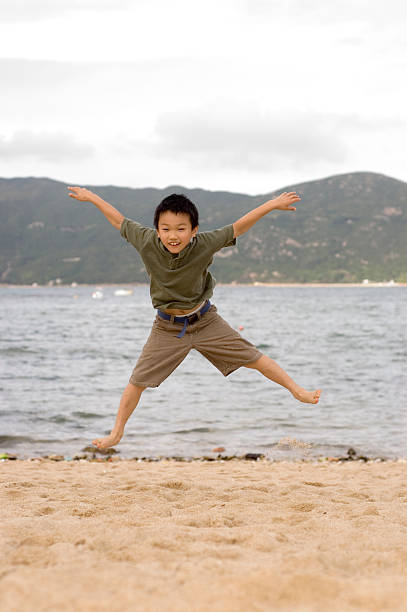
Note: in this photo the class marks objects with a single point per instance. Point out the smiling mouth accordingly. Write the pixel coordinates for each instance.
(174, 243)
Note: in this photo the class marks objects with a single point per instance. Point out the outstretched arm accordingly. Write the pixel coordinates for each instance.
(111, 213)
(284, 201)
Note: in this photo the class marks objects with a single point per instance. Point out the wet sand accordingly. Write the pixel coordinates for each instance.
(203, 536)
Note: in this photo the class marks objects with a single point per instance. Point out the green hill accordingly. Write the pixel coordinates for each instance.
(346, 228)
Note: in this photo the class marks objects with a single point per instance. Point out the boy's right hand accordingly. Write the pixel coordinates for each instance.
(82, 194)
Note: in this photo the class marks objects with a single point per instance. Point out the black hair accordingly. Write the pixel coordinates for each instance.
(177, 203)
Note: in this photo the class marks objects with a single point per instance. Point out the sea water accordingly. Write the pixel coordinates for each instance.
(65, 358)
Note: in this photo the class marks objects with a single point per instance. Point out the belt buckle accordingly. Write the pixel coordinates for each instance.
(193, 318)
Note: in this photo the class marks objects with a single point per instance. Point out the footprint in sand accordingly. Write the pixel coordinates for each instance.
(315, 484)
(303, 507)
(175, 484)
(45, 510)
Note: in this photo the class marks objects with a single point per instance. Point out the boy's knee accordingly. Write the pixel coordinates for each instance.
(253, 364)
(133, 387)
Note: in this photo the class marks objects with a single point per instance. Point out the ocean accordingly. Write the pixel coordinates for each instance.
(65, 358)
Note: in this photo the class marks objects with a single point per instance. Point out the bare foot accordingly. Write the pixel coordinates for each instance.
(104, 443)
(307, 397)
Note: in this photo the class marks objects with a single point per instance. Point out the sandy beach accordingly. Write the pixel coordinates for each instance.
(203, 536)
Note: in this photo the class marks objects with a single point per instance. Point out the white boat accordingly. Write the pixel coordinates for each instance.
(123, 292)
(97, 295)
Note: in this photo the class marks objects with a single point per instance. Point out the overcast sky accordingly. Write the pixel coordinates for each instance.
(237, 95)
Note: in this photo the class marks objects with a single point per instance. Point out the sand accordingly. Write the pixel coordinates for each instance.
(215, 536)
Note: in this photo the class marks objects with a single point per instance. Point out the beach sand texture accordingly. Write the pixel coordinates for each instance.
(214, 536)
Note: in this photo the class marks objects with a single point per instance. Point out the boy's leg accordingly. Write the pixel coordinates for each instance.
(223, 346)
(128, 402)
(161, 355)
(269, 368)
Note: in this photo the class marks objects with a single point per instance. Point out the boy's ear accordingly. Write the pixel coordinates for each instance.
(195, 230)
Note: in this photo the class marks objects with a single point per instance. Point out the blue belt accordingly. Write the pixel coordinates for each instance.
(188, 319)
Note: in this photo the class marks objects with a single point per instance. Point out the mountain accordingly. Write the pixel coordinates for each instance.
(346, 228)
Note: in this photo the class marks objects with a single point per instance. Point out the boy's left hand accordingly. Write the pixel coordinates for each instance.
(286, 200)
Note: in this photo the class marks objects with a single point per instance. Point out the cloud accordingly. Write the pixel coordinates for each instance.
(19, 76)
(35, 10)
(248, 138)
(362, 12)
(52, 147)
(353, 41)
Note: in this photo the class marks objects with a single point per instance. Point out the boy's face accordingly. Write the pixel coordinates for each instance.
(175, 230)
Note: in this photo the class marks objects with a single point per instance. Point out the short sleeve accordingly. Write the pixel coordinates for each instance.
(135, 233)
(217, 239)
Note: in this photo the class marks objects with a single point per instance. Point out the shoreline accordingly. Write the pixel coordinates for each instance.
(111, 455)
(218, 284)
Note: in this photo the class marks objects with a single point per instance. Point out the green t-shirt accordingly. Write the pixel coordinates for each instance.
(178, 280)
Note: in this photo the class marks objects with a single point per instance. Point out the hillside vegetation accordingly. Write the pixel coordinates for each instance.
(347, 228)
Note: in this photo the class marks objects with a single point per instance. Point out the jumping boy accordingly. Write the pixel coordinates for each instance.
(177, 259)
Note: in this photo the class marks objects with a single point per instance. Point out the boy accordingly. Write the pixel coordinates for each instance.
(177, 259)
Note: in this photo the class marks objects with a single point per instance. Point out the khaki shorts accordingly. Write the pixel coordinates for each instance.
(211, 335)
